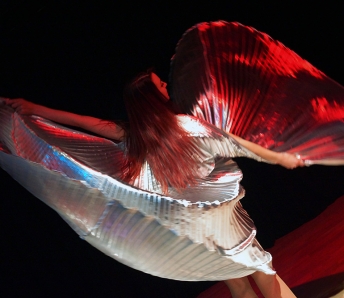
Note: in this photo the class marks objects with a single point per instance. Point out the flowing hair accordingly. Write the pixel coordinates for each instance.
(155, 136)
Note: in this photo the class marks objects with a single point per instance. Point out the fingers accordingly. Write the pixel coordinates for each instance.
(300, 162)
(5, 100)
(10, 102)
(291, 161)
(295, 163)
(15, 103)
(20, 105)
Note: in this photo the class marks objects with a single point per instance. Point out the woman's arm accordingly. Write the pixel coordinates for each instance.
(101, 127)
(287, 160)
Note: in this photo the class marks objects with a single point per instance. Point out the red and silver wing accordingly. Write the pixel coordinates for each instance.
(246, 83)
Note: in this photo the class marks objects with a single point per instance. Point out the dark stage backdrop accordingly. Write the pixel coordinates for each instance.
(77, 55)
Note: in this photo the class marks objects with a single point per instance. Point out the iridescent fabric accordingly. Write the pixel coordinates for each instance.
(244, 82)
(229, 75)
(202, 233)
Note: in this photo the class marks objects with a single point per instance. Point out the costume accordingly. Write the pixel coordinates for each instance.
(201, 233)
(246, 83)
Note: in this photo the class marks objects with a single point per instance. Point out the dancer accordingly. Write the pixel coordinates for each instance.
(178, 214)
(154, 137)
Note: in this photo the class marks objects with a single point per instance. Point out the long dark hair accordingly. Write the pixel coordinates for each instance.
(155, 136)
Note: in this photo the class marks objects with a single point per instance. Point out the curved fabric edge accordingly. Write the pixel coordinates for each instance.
(114, 216)
(246, 83)
(127, 234)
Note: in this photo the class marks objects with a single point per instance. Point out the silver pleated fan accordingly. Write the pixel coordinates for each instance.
(200, 234)
(230, 75)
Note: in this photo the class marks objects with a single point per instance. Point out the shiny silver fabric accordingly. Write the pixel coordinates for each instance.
(200, 234)
(230, 75)
(244, 82)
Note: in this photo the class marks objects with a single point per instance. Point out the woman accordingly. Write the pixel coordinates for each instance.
(160, 148)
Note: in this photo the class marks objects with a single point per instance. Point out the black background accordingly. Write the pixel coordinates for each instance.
(77, 55)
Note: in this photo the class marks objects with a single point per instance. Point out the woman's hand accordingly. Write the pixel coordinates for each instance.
(290, 161)
(22, 106)
(101, 127)
(287, 160)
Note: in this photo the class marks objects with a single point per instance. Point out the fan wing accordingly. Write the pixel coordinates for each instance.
(246, 83)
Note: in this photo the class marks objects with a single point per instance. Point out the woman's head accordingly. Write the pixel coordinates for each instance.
(145, 98)
(146, 86)
(155, 136)
(160, 85)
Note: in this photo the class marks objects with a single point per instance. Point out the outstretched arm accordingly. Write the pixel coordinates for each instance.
(287, 160)
(101, 127)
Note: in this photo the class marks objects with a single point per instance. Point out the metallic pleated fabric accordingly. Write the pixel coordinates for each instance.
(202, 233)
(246, 83)
(229, 75)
